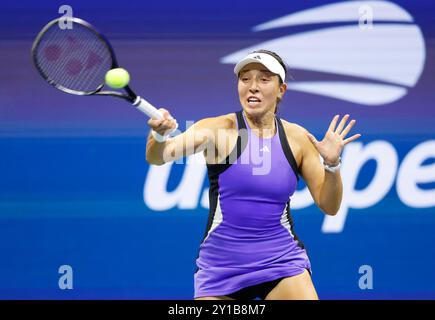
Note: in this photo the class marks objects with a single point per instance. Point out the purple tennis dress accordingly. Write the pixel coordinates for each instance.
(249, 237)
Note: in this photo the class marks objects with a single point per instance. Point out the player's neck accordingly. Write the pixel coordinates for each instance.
(262, 125)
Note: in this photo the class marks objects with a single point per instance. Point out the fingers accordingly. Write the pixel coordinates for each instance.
(347, 129)
(342, 123)
(165, 113)
(354, 137)
(165, 125)
(333, 123)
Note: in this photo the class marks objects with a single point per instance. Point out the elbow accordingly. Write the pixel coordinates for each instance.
(330, 207)
(156, 163)
(330, 211)
(153, 161)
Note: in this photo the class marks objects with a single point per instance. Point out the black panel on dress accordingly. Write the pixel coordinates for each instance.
(286, 148)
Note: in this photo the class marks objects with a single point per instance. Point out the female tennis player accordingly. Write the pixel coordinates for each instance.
(249, 248)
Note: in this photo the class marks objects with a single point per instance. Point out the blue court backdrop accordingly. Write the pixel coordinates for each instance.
(76, 191)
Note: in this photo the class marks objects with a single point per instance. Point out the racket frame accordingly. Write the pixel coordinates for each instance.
(140, 103)
(129, 96)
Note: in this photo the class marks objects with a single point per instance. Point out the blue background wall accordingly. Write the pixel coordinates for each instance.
(73, 175)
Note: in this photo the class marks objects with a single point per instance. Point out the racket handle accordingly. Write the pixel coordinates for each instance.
(147, 108)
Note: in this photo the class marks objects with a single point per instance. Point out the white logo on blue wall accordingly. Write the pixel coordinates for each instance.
(66, 280)
(386, 60)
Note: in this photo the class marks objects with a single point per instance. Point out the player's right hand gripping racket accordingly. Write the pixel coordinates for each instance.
(76, 60)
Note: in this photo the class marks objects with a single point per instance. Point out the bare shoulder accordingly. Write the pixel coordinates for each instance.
(226, 121)
(294, 131)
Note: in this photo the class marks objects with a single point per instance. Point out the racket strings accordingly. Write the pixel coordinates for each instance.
(76, 59)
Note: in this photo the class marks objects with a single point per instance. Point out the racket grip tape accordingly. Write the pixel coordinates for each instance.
(147, 108)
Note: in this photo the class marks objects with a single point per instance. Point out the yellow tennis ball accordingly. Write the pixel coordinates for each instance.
(117, 78)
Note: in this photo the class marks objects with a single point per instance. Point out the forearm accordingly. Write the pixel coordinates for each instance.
(331, 193)
(155, 150)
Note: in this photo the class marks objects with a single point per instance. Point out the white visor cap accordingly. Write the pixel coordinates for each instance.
(265, 59)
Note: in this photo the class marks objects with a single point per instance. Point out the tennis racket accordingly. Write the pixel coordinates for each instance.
(76, 59)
